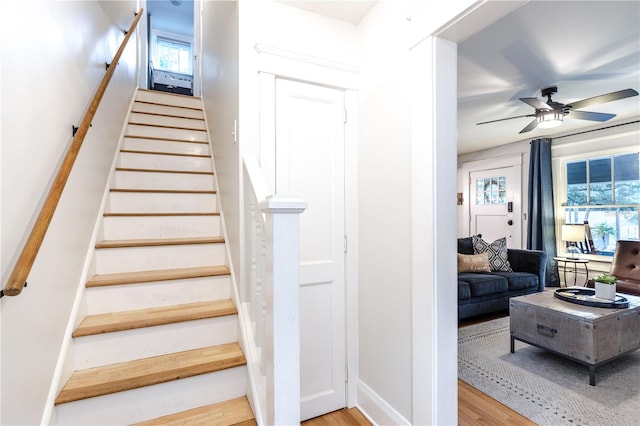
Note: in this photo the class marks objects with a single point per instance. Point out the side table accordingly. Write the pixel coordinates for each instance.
(576, 262)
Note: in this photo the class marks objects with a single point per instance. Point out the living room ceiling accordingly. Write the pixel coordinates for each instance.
(585, 48)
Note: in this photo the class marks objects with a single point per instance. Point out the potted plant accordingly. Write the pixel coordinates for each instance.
(605, 285)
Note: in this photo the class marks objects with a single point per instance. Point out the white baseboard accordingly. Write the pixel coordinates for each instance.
(376, 409)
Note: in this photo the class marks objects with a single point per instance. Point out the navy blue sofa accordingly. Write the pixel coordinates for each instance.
(487, 292)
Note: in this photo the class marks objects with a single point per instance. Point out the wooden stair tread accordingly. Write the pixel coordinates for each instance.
(167, 94)
(161, 114)
(150, 214)
(140, 318)
(149, 242)
(174, 154)
(186, 172)
(163, 191)
(164, 104)
(158, 138)
(149, 371)
(165, 126)
(232, 412)
(156, 275)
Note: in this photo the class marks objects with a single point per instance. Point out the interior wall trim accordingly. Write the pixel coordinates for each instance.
(300, 57)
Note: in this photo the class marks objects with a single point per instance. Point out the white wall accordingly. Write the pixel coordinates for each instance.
(407, 235)
(220, 95)
(53, 55)
(384, 187)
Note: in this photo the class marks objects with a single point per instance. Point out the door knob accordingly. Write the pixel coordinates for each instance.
(509, 222)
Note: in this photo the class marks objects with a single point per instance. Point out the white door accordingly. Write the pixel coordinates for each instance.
(310, 163)
(494, 205)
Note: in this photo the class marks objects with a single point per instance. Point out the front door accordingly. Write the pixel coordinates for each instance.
(310, 163)
(493, 205)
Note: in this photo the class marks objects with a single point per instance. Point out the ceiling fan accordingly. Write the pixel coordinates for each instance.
(551, 114)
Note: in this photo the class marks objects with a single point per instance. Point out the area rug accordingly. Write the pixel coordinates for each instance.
(546, 388)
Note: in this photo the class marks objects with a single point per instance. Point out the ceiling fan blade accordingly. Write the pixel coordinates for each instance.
(536, 103)
(530, 126)
(613, 96)
(593, 116)
(508, 118)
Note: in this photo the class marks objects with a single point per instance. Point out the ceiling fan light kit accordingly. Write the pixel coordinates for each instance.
(549, 119)
(551, 114)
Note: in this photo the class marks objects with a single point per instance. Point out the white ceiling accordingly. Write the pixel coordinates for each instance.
(175, 17)
(585, 48)
(351, 11)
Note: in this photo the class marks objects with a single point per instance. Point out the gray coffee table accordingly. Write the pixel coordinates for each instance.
(588, 335)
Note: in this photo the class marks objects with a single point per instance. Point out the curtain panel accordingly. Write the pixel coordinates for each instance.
(541, 228)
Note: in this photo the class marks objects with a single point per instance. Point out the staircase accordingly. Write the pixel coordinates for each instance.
(158, 343)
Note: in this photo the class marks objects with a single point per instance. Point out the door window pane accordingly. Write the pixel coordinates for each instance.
(491, 190)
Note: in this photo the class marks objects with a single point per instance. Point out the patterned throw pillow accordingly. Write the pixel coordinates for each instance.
(497, 250)
(473, 262)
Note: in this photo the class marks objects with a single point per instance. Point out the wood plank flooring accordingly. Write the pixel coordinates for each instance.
(477, 408)
(344, 417)
(474, 407)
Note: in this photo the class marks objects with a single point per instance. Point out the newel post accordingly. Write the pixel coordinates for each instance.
(283, 318)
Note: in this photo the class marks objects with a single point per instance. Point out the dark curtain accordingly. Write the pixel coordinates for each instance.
(541, 227)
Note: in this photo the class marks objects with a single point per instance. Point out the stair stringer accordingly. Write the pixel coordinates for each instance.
(65, 361)
(245, 327)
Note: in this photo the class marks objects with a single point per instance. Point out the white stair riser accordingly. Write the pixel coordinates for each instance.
(127, 297)
(130, 259)
(134, 227)
(167, 99)
(167, 110)
(155, 401)
(164, 133)
(158, 202)
(127, 345)
(134, 160)
(163, 120)
(154, 145)
(156, 180)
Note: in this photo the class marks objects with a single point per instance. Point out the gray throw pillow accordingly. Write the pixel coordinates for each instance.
(497, 250)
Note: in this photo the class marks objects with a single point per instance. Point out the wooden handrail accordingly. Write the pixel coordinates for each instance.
(17, 279)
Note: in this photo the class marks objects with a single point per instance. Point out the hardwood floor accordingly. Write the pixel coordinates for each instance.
(344, 417)
(474, 407)
(477, 408)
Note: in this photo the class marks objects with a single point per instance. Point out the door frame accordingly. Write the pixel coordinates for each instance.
(143, 48)
(279, 63)
(514, 161)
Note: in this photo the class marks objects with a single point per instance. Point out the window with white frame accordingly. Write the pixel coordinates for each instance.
(173, 54)
(604, 191)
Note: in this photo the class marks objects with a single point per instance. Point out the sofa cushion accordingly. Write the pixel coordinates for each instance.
(519, 280)
(482, 284)
(465, 245)
(473, 262)
(464, 290)
(498, 255)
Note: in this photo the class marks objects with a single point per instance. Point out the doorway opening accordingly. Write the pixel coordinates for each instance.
(171, 46)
